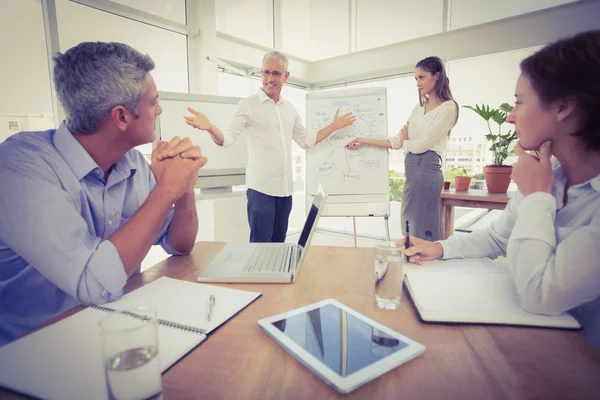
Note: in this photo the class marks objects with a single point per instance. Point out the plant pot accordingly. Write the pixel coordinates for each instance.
(497, 177)
(446, 185)
(461, 183)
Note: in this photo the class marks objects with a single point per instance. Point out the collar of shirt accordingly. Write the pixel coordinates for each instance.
(560, 180)
(79, 160)
(595, 182)
(262, 97)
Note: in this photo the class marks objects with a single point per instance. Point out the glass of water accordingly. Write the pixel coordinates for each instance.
(389, 275)
(130, 354)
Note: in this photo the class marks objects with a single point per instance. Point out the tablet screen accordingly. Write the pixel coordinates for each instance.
(340, 340)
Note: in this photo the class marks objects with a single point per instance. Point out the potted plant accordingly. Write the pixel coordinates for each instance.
(462, 180)
(497, 175)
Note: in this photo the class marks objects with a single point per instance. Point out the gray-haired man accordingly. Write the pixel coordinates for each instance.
(272, 123)
(80, 207)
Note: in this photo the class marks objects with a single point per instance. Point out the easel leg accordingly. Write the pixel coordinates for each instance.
(387, 228)
(354, 222)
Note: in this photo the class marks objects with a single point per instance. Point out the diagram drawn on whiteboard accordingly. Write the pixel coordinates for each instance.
(367, 125)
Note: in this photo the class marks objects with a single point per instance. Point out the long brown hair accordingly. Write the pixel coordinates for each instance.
(433, 65)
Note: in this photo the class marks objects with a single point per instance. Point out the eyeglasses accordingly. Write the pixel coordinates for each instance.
(266, 73)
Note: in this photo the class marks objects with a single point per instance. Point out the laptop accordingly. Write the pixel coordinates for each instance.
(265, 262)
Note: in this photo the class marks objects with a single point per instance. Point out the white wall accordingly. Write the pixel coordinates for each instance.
(25, 80)
(251, 20)
(473, 12)
(78, 23)
(383, 22)
(315, 29)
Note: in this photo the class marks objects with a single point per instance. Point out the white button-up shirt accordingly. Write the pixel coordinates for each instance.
(271, 128)
(427, 131)
(553, 250)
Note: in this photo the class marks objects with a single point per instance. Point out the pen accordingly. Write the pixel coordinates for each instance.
(211, 306)
(407, 240)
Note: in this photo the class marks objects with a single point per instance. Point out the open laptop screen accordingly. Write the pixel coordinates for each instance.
(310, 220)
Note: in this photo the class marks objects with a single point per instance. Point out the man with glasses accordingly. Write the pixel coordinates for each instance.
(272, 123)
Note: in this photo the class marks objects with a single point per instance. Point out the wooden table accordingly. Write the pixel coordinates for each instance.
(469, 198)
(239, 361)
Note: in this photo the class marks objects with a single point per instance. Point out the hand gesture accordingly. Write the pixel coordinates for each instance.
(533, 174)
(355, 143)
(177, 146)
(342, 121)
(404, 132)
(198, 121)
(177, 175)
(421, 250)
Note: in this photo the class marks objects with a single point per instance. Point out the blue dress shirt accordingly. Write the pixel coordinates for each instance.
(56, 214)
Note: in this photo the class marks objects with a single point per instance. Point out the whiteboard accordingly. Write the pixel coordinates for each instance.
(355, 180)
(226, 166)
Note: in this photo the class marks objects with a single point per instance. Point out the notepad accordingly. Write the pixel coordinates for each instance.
(473, 291)
(64, 360)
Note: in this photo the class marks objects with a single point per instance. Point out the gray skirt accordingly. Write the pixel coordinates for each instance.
(421, 198)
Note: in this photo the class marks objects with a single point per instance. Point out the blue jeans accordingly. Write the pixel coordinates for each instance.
(268, 216)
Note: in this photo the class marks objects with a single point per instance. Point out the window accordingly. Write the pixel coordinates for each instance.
(78, 23)
(315, 29)
(381, 22)
(233, 85)
(471, 84)
(250, 20)
(173, 9)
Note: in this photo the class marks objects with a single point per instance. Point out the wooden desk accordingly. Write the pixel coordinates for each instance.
(471, 198)
(239, 361)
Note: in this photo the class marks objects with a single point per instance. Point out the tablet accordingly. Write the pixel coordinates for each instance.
(341, 346)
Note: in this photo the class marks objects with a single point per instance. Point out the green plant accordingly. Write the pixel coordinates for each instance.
(456, 171)
(396, 186)
(459, 171)
(500, 142)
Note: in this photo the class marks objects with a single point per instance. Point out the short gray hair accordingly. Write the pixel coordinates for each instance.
(279, 55)
(93, 77)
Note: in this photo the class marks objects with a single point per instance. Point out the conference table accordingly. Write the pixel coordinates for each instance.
(239, 361)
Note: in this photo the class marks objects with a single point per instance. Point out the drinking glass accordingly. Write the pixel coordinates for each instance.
(389, 275)
(130, 354)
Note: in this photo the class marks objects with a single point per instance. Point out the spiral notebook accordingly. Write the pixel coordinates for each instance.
(64, 360)
(473, 291)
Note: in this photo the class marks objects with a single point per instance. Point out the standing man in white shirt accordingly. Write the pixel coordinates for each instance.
(272, 123)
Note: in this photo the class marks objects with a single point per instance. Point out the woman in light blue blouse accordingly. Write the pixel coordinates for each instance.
(550, 230)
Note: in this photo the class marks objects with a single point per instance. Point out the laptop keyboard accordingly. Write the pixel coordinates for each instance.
(269, 259)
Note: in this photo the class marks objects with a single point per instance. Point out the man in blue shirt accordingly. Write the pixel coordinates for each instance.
(79, 206)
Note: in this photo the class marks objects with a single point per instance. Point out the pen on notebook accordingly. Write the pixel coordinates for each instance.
(211, 306)
(407, 241)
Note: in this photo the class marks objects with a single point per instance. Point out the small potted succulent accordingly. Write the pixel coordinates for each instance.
(497, 175)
